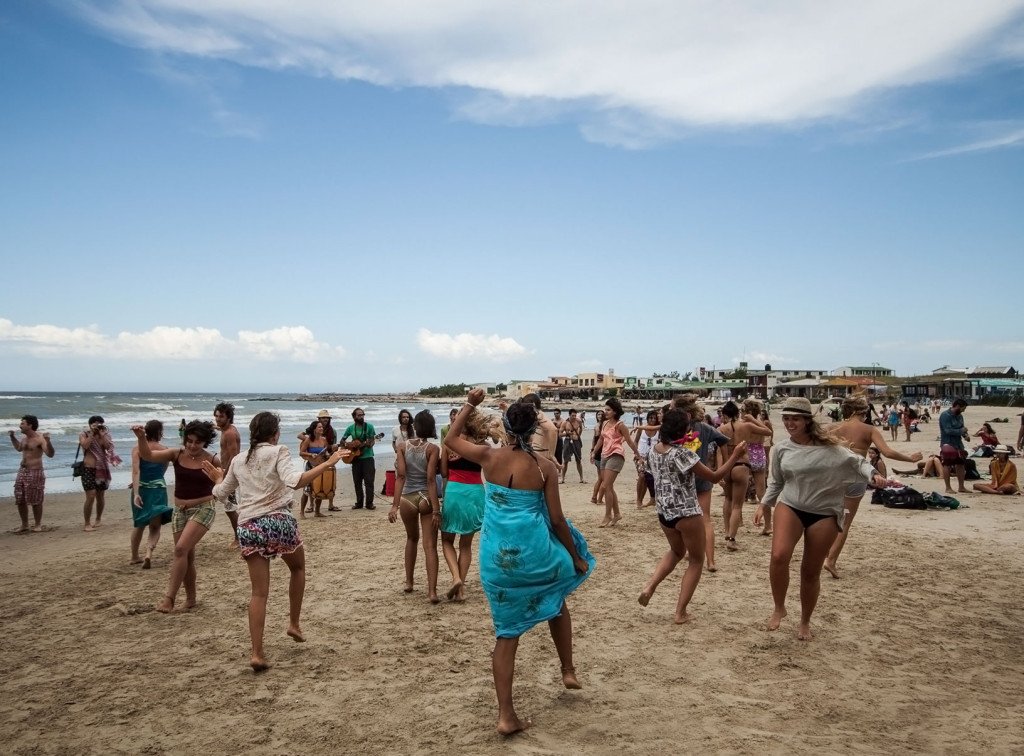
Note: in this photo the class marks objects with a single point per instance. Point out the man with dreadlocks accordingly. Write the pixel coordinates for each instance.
(531, 557)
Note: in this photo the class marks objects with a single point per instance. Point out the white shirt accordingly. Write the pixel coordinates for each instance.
(264, 484)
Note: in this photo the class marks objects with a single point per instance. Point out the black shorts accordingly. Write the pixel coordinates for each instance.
(89, 482)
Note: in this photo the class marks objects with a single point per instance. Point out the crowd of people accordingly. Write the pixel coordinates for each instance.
(499, 475)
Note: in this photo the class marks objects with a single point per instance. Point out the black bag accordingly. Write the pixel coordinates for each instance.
(899, 498)
(971, 470)
(77, 467)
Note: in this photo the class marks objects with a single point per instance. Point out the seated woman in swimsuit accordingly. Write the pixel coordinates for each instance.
(416, 465)
(1003, 472)
(193, 504)
(987, 435)
(929, 468)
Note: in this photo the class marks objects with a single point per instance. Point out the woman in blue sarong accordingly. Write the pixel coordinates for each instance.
(531, 557)
(149, 497)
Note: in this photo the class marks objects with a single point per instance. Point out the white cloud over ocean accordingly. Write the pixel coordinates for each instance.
(287, 343)
(627, 72)
(463, 346)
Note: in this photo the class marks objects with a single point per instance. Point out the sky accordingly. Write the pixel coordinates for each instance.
(321, 195)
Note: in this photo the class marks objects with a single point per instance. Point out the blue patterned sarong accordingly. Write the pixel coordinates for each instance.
(524, 569)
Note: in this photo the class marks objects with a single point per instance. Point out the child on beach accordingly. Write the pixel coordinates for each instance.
(674, 463)
(264, 480)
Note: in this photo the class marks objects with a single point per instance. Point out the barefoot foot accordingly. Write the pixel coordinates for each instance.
(605, 523)
(408, 588)
(730, 544)
(645, 597)
(146, 563)
(830, 567)
(435, 599)
(803, 631)
(775, 620)
(454, 590)
(615, 520)
(135, 560)
(511, 724)
(682, 619)
(569, 679)
(258, 664)
(165, 605)
(190, 604)
(712, 567)
(89, 528)
(295, 633)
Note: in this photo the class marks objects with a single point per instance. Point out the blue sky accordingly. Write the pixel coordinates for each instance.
(318, 196)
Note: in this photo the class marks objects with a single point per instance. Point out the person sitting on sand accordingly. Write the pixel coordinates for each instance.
(531, 557)
(149, 497)
(30, 483)
(988, 438)
(929, 468)
(264, 480)
(194, 510)
(1003, 472)
(416, 465)
(810, 474)
(673, 462)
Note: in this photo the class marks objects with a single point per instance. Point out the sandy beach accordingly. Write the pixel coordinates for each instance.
(917, 649)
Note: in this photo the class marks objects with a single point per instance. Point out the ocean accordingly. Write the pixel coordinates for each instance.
(65, 415)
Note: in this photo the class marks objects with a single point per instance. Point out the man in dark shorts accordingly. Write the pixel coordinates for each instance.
(571, 434)
(952, 434)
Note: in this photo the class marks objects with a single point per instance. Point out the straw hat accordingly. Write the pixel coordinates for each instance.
(797, 405)
(323, 414)
(1001, 449)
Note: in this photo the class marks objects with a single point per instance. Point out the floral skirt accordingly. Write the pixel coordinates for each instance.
(269, 536)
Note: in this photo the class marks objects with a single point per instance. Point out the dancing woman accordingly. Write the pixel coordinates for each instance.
(747, 429)
(595, 455)
(531, 558)
(810, 474)
(264, 479)
(614, 434)
(416, 465)
(149, 496)
(194, 510)
(463, 512)
(645, 437)
(856, 432)
(674, 465)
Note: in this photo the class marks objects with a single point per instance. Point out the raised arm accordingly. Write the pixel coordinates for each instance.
(149, 454)
(478, 453)
(48, 449)
(14, 441)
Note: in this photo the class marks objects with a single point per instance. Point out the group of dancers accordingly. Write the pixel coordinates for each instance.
(495, 474)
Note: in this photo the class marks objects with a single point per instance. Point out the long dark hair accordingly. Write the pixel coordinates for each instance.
(262, 428)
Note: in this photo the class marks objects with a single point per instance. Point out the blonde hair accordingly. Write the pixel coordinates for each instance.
(690, 404)
(854, 405)
(753, 407)
(819, 436)
(481, 426)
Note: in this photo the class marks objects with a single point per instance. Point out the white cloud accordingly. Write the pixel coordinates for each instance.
(469, 345)
(287, 343)
(639, 71)
(1012, 138)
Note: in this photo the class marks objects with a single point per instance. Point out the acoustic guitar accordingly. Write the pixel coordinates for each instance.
(356, 447)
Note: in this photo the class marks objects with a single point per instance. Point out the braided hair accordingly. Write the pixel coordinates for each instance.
(262, 428)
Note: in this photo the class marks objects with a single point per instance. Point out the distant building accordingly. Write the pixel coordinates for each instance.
(856, 371)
